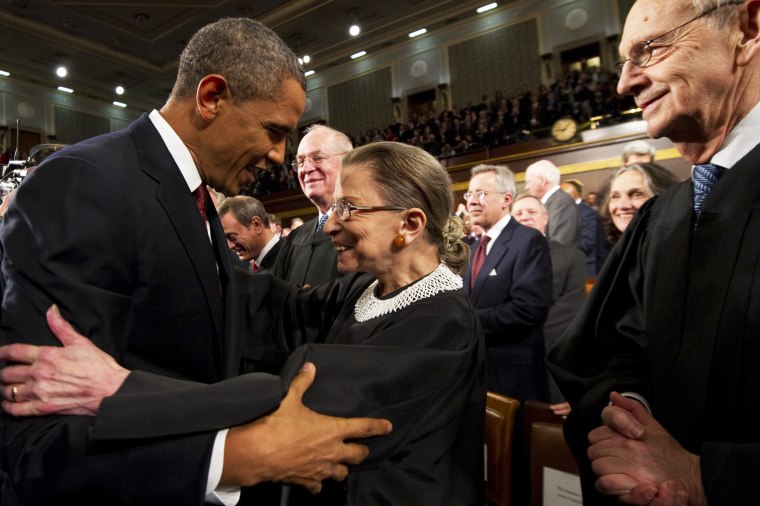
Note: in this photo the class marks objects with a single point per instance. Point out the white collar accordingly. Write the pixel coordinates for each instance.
(549, 193)
(266, 250)
(178, 150)
(739, 141)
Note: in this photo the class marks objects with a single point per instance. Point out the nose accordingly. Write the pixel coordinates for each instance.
(630, 79)
(332, 225)
(277, 152)
(230, 244)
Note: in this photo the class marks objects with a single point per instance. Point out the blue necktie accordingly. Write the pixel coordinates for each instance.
(321, 223)
(704, 178)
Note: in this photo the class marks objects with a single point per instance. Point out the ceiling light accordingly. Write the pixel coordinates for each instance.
(65, 89)
(119, 90)
(358, 55)
(354, 30)
(485, 8)
(119, 104)
(4, 73)
(61, 71)
(417, 33)
(306, 58)
(300, 61)
(309, 73)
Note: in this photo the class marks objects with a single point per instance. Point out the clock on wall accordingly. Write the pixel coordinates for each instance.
(564, 129)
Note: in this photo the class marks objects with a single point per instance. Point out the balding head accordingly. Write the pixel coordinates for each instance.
(541, 177)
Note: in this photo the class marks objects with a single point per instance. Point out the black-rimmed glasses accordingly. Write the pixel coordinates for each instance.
(343, 209)
(316, 160)
(641, 52)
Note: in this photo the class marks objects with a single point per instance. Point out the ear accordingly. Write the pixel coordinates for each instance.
(414, 224)
(749, 45)
(256, 223)
(507, 201)
(212, 91)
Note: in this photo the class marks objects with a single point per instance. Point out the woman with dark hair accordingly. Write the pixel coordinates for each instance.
(627, 191)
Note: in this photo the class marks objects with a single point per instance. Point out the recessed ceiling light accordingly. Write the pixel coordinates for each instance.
(354, 30)
(358, 55)
(4, 73)
(306, 58)
(417, 33)
(485, 8)
(309, 73)
(119, 90)
(65, 89)
(119, 104)
(61, 71)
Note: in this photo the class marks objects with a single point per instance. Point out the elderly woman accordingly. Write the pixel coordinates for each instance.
(398, 339)
(628, 189)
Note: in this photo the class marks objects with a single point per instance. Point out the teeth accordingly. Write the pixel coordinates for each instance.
(340, 248)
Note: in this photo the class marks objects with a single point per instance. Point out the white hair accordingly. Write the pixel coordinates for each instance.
(546, 170)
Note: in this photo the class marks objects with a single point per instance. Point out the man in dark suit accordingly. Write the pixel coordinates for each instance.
(120, 232)
(246, 226)
(512, 288)
(542, 181)
(308, 257)
(674, 319)
(568, 275)
(592, 242)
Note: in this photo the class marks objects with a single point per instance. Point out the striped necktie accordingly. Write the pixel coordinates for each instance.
(479, 258)
(704, 178)
(321, 223)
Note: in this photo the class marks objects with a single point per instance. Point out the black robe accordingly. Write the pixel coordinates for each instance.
(675, 317)
(421, 367)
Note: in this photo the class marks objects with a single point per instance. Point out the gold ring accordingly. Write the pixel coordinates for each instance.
(14, 393)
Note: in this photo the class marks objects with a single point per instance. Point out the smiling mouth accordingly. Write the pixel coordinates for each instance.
(340, 248)
(643, 106)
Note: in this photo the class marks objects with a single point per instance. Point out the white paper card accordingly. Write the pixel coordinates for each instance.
(561, 488)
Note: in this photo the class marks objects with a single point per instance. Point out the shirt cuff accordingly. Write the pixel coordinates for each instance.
(226, 495)
(637, 397)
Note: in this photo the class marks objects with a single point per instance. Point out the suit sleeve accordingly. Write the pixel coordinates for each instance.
(71, 255)
(530, 293)
(565, 224)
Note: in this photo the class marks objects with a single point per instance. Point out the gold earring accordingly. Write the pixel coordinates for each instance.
(399, 241)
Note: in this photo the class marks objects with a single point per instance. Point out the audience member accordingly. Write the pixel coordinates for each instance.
(592, 199)
(638, 152)
(246, 227)
(295, 223)
(275, 224)
(593, 242)
(542, 181)
(110, 229)
(308, 257)
(627, 191)
(674, 319)
(510, 284)
(568, 275)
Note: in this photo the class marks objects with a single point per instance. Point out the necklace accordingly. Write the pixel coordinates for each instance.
(442, 279)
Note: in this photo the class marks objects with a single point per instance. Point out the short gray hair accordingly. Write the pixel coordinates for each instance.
(721, 16)
(340, 141)
(244, 209)
(504, 180)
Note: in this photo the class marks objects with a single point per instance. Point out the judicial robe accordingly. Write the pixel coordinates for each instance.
(675, 317)
(421, 367)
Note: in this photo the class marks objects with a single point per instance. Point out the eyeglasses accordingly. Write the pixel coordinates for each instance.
(343, 209)
(641, 52)
(480, 194)
(316, 160)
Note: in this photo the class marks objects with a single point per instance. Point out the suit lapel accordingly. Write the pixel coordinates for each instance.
(499, 248)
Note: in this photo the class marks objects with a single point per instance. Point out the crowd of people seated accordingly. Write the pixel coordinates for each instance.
(494, 121)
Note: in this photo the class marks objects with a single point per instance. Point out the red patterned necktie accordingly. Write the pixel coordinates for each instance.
(478, 259)
(254, 267)
(201, 200)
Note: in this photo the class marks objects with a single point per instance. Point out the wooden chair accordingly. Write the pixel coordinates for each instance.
(499, 432)
(546, 447)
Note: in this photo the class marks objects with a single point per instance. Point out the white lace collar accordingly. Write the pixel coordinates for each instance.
(442, 279)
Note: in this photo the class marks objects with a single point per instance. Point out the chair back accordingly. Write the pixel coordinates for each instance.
(499, 432)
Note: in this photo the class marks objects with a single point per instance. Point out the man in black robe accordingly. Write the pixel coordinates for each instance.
(674, 320)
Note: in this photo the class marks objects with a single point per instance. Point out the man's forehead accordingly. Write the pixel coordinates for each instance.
(315, 142)
(650, 18)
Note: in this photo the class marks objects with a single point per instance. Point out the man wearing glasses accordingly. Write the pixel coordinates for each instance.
(674, 321)
(308, 257)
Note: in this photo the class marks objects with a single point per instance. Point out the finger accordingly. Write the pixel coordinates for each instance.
(353, 428)
(615, 484)
(19, 352)
(354, 453)
(302, 381)
(623, 422)
(641, 494)
(14, 374)
(63, 329)
(12, 392)
(639, 411)
(602, 433)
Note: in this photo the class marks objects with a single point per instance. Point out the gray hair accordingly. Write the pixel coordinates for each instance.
(546, 170)
(504, 180)
(244, 209)
(340, 141)
(719, 17)
(251, 57)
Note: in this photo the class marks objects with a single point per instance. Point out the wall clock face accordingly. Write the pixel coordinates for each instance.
(564, 129)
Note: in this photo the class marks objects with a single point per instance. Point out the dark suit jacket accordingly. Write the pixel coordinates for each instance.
(512, 295)
(564, 219)
(593, 243)
(108, 230)
(308, 257)
(267, 263)
(675, 317)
